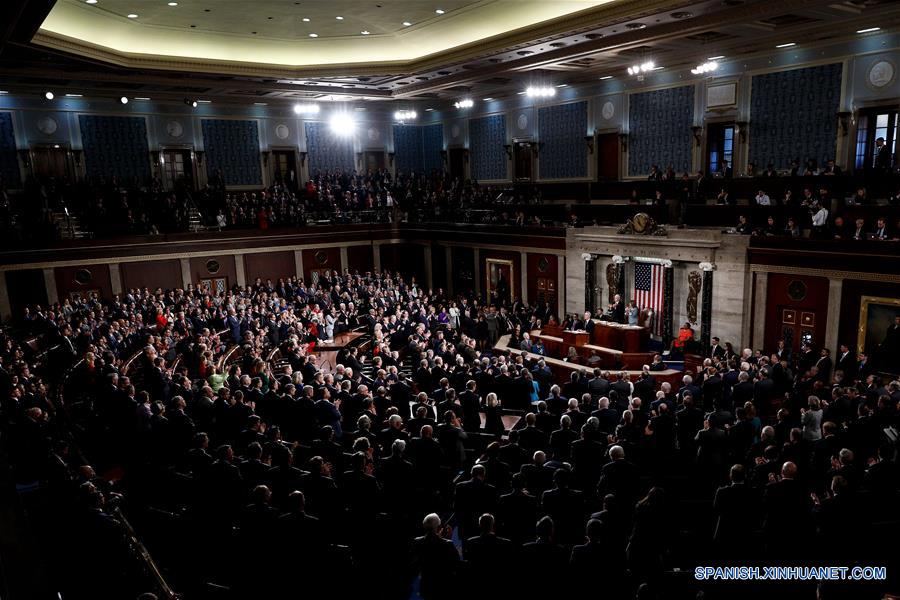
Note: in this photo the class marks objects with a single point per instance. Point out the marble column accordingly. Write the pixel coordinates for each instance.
(185, 272)
(523, 286)
(344, 259)
(298, 263)
(668, 302)
(560, 286)
(760, 295)
(835, 290)
(429, 271)
(590, 274)
(239, 272)
(448, 255)
(376, 257)
(50, 284)
(619, 261)
(5, 308)
(706, 304)
(476, 259)
(115, 278)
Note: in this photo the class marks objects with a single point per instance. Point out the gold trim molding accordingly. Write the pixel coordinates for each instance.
(829, 273)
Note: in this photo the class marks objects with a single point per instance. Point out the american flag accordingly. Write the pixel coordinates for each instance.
(648, 291)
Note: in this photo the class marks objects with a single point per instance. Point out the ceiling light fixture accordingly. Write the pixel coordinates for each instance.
(191, 103)
(132, 16)
(720, 57)
(306, 19)
(339, 18)
(429, 109)
(260, 104)
(605, 77)
(464, 103)
(488, 99)
(562, 85)
(90, 1)
(788, 45)
(342, 124)
(439, 11)
(642, 68)
(540, 92)
(123, 100)
(405, 115)
(406, 23)
(707, 67)
(364, 32)
(868, 30)
(173, 4)
(306, 109)
(204, 101)
(73, 95)
(49, 95)
(140, 98)
(314, 35)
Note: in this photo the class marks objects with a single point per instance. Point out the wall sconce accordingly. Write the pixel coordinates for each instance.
(508, 148)
(741, 127)
(698, 134)
(844, 121)
(589, 139)
(303, 158)
(623, 141)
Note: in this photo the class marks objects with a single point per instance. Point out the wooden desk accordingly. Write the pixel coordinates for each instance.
(628, 338)
(575, 338)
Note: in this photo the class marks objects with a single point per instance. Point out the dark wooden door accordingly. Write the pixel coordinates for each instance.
(608, 156)
(285, 168)
(457, 163)
(374, 160)
(50, 162)
(523, 161)
(178, 169)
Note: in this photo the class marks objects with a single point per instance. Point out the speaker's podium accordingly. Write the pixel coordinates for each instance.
(576, 338)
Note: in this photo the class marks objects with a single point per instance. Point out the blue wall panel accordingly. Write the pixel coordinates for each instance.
(487, 136)
(561, 130)
(115, 146)
(408, 148)
(792, 115)
(232, 147)
(660, 129)
(327, 151)
(432, 145)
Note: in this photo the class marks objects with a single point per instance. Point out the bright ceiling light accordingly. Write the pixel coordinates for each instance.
(73, 95)
(720, 57)
(339, 18)
(314, 35)
(405, 115)
(189, 102)
(342, 124)
(605, 77)
(488, 99)
(429, 109)
(306, 109)
(132, 16)
(49, 95)
(90, 1)
(173, 4)
(3, 92)
(788, 45)
(204, 101)
(364, 32)
(868, 30)
(644, 67)
(140, 98)
(707, 67)
(123, 100)
(260, 104)
(406, 23)
(439, 11)
(464, 103)
(540, 92)
(306, 19)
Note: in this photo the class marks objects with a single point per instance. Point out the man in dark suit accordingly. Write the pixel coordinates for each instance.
(882, 156)
(846, 362)
(716, 350)
(588, 324)
(489, 558)
(597, 561)
(566, 507)
(472, 499)
(544, 582)
(788, 507)
(471, 407)
(619, 477)
(824, 365)
(516, 511)
(734, 505)
(437, 561)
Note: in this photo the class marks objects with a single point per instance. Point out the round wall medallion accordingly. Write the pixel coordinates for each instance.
(881, 74)
(543, 264)
(83, 276)
(175, 129)
(522, 121)
(608, 110)
(282, 131)
(796, 290)
(212, 266)
(47, 125)
(374, 134)
(321, 257)
(454, 131)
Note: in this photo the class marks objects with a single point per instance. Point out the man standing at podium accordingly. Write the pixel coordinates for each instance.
(585, 323)
(616, 311)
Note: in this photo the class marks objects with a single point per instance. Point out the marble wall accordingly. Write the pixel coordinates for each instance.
(686, 248)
